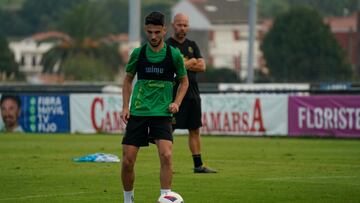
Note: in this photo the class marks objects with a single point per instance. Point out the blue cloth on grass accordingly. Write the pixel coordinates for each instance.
(98, 157)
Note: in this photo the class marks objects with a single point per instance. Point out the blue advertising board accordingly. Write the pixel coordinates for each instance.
(45, 113)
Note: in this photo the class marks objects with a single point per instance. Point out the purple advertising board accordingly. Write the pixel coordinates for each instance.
(328, 116)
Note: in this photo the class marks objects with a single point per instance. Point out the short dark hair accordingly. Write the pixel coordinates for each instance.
(16, 98)
(155, 18)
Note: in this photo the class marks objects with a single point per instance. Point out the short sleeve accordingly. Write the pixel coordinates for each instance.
(131, 65)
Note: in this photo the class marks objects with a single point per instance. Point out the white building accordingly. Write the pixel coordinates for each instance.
(220, 27)
(28, 54)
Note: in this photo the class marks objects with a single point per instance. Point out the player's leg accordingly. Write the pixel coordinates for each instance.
(161, 132)
(194, 123)
(128, 172)
(195, 148)
(127, 166)
(135, 136)
(194, 142)
(166, 168)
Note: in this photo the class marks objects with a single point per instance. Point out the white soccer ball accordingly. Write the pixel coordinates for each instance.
(170, 197)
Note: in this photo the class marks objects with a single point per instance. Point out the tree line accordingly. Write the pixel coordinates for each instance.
(84, 54)
(43, 15)
(271, 8)
(298, 48)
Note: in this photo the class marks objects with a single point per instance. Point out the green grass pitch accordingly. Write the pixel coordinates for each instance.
(39, 168)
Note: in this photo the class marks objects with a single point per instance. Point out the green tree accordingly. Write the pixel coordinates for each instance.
(328, 8)
(85, 25)
(41, 15)
(119, 12)
(8, 67)
(12, 24)
(272, 8)
(333, 8)
(84, 68)
(88, 20)
(301, 48)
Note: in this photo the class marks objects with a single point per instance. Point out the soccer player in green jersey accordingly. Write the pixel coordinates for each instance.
(149, 116)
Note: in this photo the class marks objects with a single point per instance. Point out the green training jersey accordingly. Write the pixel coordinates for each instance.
(152, 97)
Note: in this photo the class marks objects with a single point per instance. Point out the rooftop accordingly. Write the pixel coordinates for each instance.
(223, 11)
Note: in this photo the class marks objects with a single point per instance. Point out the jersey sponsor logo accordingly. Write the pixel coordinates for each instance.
(152, 69)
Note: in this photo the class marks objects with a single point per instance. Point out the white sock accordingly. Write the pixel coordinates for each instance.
(163, 191)
(129, 196)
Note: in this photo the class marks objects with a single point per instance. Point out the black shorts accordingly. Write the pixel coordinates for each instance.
(189, 115)
(142, 130)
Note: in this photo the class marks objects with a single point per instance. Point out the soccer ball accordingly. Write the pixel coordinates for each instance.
(170, 197)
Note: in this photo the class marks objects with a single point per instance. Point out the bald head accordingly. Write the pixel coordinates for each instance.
(180, 17)
(181, 26)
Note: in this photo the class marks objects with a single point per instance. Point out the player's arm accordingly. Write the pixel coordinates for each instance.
(196, 65)
(181, 91)
(127, 85)
(183, 81)
(126, 92)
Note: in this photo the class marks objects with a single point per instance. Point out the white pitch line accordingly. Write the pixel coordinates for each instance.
(43, 196)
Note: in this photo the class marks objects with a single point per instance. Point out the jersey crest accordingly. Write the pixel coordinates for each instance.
(191, 50)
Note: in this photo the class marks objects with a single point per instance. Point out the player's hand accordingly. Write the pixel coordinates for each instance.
(174, 108)
(190, 63)
(125, 115)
